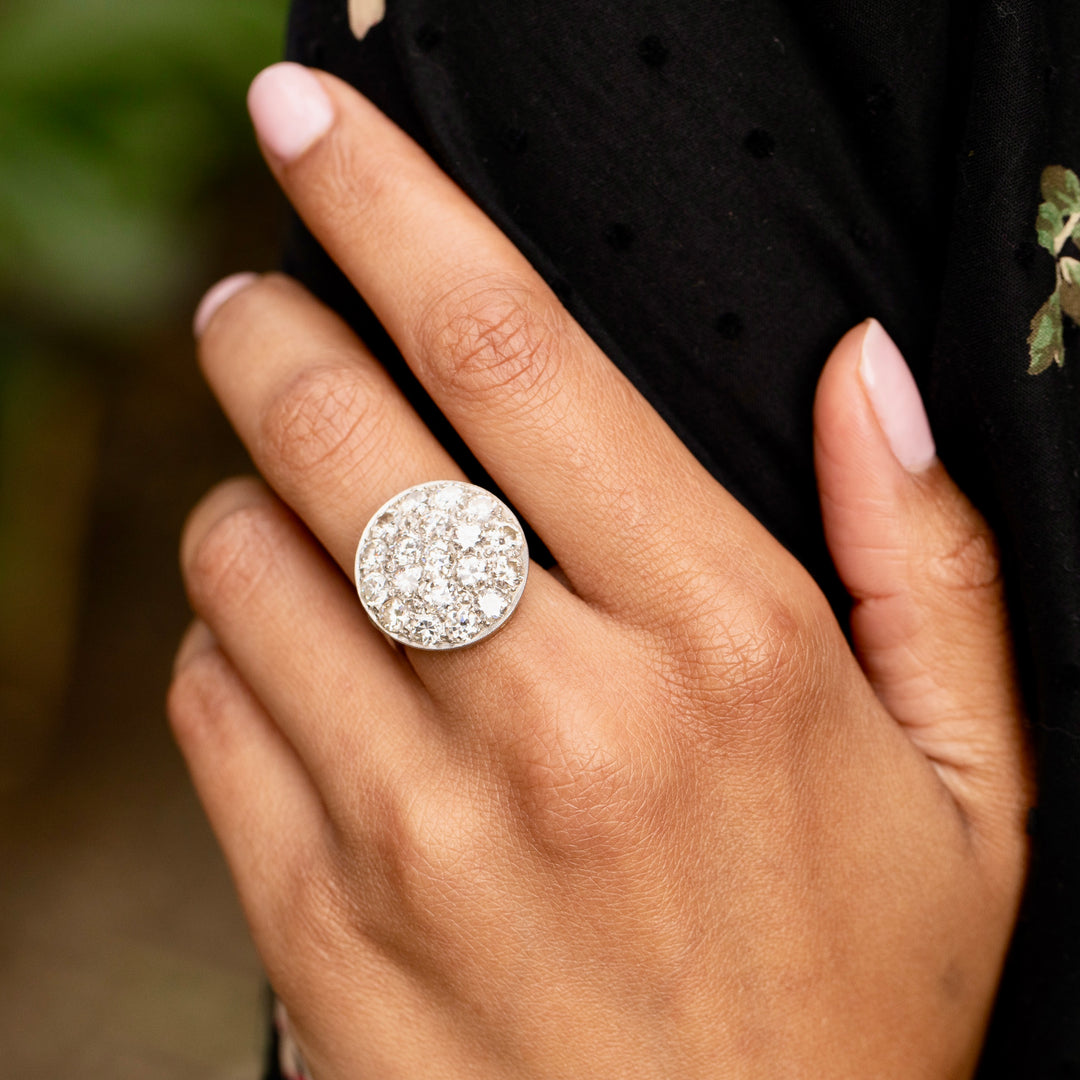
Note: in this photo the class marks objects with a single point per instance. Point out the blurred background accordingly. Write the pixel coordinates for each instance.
(129, 181)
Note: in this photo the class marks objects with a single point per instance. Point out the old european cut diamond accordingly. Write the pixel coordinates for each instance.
(441, 565)
(471, 571)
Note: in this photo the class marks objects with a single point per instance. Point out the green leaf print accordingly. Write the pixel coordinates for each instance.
(1057, 222)
(1070, 301)
(1059, 214)
(1045, 339)
(1061, 187)
(1047, 226)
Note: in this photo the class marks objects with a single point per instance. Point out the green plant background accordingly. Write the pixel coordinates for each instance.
(117, 116)
(129, 182)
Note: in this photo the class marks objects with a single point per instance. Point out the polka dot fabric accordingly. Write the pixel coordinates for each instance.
(717, 192)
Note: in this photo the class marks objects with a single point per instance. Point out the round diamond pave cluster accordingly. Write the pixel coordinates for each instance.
(441, 565)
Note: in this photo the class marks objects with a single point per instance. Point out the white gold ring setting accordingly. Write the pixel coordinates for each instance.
(441, 565)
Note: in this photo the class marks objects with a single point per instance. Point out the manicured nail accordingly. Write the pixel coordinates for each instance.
(290, 109)
(895, 399)
(215, 297)
(198, 639)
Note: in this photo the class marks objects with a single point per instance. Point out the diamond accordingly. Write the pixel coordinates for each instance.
(426, 630)
(436, 523)
(437, 592)
(480, 507)
(470, 571)
(506, 572)
(447, 497)
(375, 589)
(492, 604)
(441, 565)
(392, 616)
(467, 535)
(372, 556)
(502, 540)
(406, 551)
(408, 580)
(437, 559)
(385, 527)
(465, 624)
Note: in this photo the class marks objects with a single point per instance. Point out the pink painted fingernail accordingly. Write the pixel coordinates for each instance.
(290, 109)
(198, 639)
(216, 296)
(895, 399)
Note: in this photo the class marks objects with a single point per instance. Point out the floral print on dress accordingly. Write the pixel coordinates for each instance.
(1057, 226)
(364, 14)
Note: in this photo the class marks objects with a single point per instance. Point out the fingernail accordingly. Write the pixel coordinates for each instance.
(290, 109)
(198, 639)
(215, 297)
(895, 399)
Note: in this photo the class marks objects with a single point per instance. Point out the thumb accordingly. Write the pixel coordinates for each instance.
(929, 624)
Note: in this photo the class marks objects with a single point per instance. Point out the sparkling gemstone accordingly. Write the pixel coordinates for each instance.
(392, 615)
(372, 556)
(408, 580)
(385, 527)
(471, 571)
(375, 590)
(436, 523)
(441, 565)
(506, 572)
(447, 498)
(480, 507)
(407, 551)
(437, 592)
(465, 623)
(491, 604)
(437, 559)
(501, 540)
(426, 629)
(467, 535)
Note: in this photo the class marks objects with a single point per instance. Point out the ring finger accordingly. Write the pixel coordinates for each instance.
(335, 438)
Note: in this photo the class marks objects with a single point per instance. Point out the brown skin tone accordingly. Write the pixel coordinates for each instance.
(664, 823)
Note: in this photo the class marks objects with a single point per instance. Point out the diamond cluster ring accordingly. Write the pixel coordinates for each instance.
(441, 565)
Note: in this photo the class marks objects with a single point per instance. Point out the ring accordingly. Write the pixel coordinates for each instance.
(441, 565)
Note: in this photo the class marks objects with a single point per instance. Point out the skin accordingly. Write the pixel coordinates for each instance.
(664, 823)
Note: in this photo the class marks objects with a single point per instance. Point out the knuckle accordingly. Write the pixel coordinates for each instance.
(747, 655)
(967, 560)
(430, 856)
(490, 335)
(580, 794)
(326, 419)
(311, 908)
(230, 560)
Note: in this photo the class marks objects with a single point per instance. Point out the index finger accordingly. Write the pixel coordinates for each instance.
(582, 454)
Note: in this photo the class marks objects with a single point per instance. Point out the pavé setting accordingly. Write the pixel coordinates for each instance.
(441, 565)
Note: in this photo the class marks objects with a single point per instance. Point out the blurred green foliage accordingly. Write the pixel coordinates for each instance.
(116, 118)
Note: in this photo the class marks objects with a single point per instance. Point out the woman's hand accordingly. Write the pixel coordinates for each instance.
(663, 823)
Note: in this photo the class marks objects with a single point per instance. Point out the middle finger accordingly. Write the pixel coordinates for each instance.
(592, 466)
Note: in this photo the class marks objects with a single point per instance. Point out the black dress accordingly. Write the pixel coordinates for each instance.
(717, 190)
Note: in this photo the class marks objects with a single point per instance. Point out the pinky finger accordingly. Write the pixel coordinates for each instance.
(261, 803)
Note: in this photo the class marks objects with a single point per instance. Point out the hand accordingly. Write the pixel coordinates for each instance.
(663, 823)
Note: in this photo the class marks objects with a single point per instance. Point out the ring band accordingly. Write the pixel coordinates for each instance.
(441, 565)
